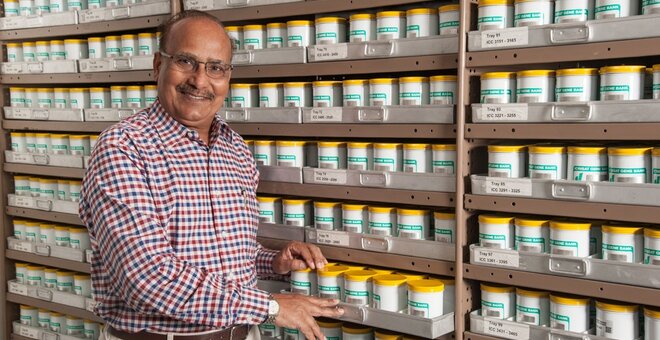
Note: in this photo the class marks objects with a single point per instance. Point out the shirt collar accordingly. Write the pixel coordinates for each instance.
(171, 131)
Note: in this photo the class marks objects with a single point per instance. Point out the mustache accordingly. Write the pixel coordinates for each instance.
(187, 89)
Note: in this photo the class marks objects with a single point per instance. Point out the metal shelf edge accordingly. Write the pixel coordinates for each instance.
(77, 312)
(81, 267)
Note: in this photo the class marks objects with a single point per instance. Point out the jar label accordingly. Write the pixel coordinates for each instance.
(420, 309)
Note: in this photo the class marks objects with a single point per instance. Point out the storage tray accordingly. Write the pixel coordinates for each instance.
(142, 62)
(624, 111)
(563, 190)
(39, 333)
(381, 179)
(587, 268)
(278, 115)
(40, 67)
(125, 11)
(67, 161)
(399, 322)
(269, 56)
(26, 113)
(281, 231)
(405, 47)
(635, 27)
(66, 207)
(397, 114)
(47, 294)
(509, 329)
(108, 115)
(205, 5)
(383, 244)
(280, 174)
(66, 253)
(43, 20)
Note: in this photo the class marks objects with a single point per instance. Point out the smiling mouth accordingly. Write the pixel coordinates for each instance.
(190, 93)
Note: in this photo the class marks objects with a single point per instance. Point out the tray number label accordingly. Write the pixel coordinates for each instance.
(28, 332)
(23, 246)
(504, 112)
(21, 158)
(330, 52)
(12, 68)
(515, 36)
(200, 4)
(332, 238)
(506, 330)
(509, 187)
(494, 257)
(329, 177)
(333, 114)
(17, 288)
(17, 113)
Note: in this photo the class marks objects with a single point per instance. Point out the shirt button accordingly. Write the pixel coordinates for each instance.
(223, 233)
(217, 193)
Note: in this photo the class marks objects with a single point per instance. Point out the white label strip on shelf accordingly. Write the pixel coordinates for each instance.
(508, 37)
(332, 238)
(330, 52)
(20, 158)
(506, 330)
(509, 112)
(328, 114)
(28, 332)
(329, 177)
(494, 257)
(509, 186)
(17, 288)
(198, 4)
(23, 246)
(23, 202)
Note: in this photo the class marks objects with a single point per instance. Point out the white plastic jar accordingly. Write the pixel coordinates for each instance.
(331, 329)
(95, 4)
(297, 212)
(14, 52)
(45, 98)
(57, 51)
(413, 224)
(425, 298)
(532, 307)
(494, 14)
(79, 238)
(99, 98)
(506, 161)
(610, 9)
(74, 190)
(270, 209)
(35, 275)
(444, 159)
(617, 320)
(44, 318)
(652, 246)
(34, 182)
(59, 144)
(271, 95)
(383, 91)
(11, 8)
(134, 97)
(235, 34)
(570, 238)
(50, 277)
(244, 95)
(61, 98)
(76, 5)
(42, 144)
(449, 19)
(118, 96)
(356, 332)
(63, 190)
(498, 301)
(389, 292)
(18, 143)
(113, 46)
(417, 158)
(79, 98)
(496, 231)
(547, 162)
(65, 281)
(17, 97)
(62, 236)
(292, 334)
(32, 231)
(421, 22)
(74, 326)
(629, 164)
(57, 322)
(330, 30)
(533, 12)
(332, 155)
(42, 50)
(291, 153)
(651, 323)
(535, 86)
(327, 94)
(29, 51)
(498, 88)
(22, 185)
(29, 316)
(569, 313)
(573, 10)
(355, 92)
(587, 163)
(656, 80)
(21, 272)
(146, 43)
(57, 6)
(331, 281)
(532, 235)
(31, 97)
(442, 90)
(47, 236)
(150, 94)
(303, 282)
(276, 35)
(254, 37)
(358, 287)
(388, 157)
(414, 91)
(265, 153)
(327, 215)
(355, 218)
(360, 156)
(82, 285)
(300, 33)
(129, 45)
(362, 27)
(92, 329)
(648, 7)
(390, 25)
(444, 226)
(382, 220)
(75, 49)
(623, 243)
(622, 82)
(297, 94)
(19, 230)
(576, 85)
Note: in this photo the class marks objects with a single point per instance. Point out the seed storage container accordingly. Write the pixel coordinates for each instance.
(34, 183)
(586, 163)
(112, 46)
(96, 47)
(382, 220)
(356, 332)
(496, 231)
(74, 49)
(421, 22)
(652, 246)
(235, 34)
(134, 97)
(303, 281)
(360, 156)
(327, 215)
(535, 86)
(11, 8)
(79, 98)
(610, 9)
(444, 227)
(99, 97)
(42, 145)
(17, 97)
(442, 90)
(45, 98)
(271, 95)
(265, 152)
(79, 238)
(330, 30)
(651, 323)
(18, 142)
(300, 33)
(494, 14)
(21, 272)
(59, 144)
(57, 322)
(270, 209)
(276, 35)
(29, 51)
(150, 94)
(498, 88)
(244, 95)
(331, 329)
(297, 212)
(254, 37)
(533, 12)
(414, 224)
(42, 50)
(417, 158)
(57, 51)
(623, 243)
(297, 94)
(331, 281)
(357, 287)
(388, 157)
(29, 316)
(50, 275)
(414, 91)
(425, 298)
(449, 18)
(570, 238)
(355, 218)
(44, 318)
(650, 7)
(19, 230)
(498, 301)
(74, 191)
(14, 52)
(332, 155)
(31, 97)
(146, 43)
(617, 320)
(532, 235)
(444, 158)
(355, 92)
(327, 93)
(390, 25)
(92, 329)
(573, 10)
(383, 91)
(547, 162)
(506, 161)
(576, 85)
(290, 153)
(532, 307)
(362, 27)
(35, 275)
(621, 82)
(629, 164)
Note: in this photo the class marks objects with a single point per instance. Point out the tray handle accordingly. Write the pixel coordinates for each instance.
(570, 34)
(577, 191)
(570, 266)
(572, 113)
(372, 243)
(379, 48)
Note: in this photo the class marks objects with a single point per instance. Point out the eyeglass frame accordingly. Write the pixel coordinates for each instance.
(197, 62)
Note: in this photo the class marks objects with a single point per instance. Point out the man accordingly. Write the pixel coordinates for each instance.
(169, 199)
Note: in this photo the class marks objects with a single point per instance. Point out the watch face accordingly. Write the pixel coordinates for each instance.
(273, 307)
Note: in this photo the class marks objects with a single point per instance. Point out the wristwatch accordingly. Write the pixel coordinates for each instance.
(273, 310)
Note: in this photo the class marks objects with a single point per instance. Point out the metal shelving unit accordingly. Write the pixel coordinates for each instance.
(49, 261)
(564, 131)
(77, 312)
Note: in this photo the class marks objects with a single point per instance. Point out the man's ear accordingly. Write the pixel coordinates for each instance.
(157, 63)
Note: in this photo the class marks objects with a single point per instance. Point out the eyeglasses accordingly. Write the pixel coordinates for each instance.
(214, 69)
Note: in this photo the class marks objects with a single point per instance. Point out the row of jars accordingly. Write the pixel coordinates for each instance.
(335, 330)
(612, 320)
(47, 188)
(392, 157)
(62, 280)
(384, 25)
(14, 8)
(499, 14)
(52, 143)
(435, 90)
(59, 323)
(359, 218)
(632, 82)
(127, 45)
(627, 164)
(609, 241)
(52, 234)
(132, 96)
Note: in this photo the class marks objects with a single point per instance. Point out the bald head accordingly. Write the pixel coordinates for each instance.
(167, 27)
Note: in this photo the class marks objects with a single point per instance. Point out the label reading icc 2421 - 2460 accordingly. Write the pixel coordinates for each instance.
(508, 37)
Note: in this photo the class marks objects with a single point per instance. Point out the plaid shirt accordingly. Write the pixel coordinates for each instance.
(173, 225)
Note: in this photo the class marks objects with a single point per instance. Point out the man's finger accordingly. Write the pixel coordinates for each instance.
(319, 259)
(302, 251)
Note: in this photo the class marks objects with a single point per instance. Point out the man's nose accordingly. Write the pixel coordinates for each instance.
(198, 77)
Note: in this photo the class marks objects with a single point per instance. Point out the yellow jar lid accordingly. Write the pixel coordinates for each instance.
(26, 307)
(134, 88)
(17, 134)
(98, 89)
(30, 89)
(547, 149)
(495, 288)
(62, 228)
(299, 23)
(327, 83)
(328, 323)
(426, 286)
(266, 199)
(32, 223)
(362, 275)
(16, 89)
(77, 230)
(35, 267)
(387, 335)
(21, 178)
(270, 85)
(535, 73)
(146, 35)
(569, 225)
(81, 277)
(382, 210)
(295, 201)
(21, 265)
(77, 89)
(616, 307)
(13, 44)
(362, 16)
(48, 180)
(656, 67)
(449, 8)
(29, 43)
(652, 312)
(441, 215)
(498, 75)
(47, 226)
(233, 28)
(412, 276)
(63, 181)
(587, 150)
(577, 72)
(416, 146)
(63, 272)
(495, 219)
(276, 25)
(387, 145)
(331, 144)
(150, 87)
(297, 84)
(253, 28)
(128, 36)
(359, 145)
(57, 42)
(244, 86)
(656, 152)
(381, 271)
(628, 151)
(290, 143)
(407, 80)
(43, 43)
(326, 204)
(443, 77)
(306, 270)
(507, 148)
(330, 20)
(383, 81)
(356, 329)
(622, 69)
(627, 230)
(75, 183)
(332, 271)
(355, 82)
(75, 41)
(532, 293)
(495, 2)
(444, 147)
(652, 232)
(44, 90)
(421, 11)
(95, 39)
(412, 212)
(69, 317)
(354, 207)
(264, 142)
(77, 137)
(528, 222)
(390, 14)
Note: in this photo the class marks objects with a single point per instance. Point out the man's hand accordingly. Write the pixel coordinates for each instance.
(298, 312)
(296, 256)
